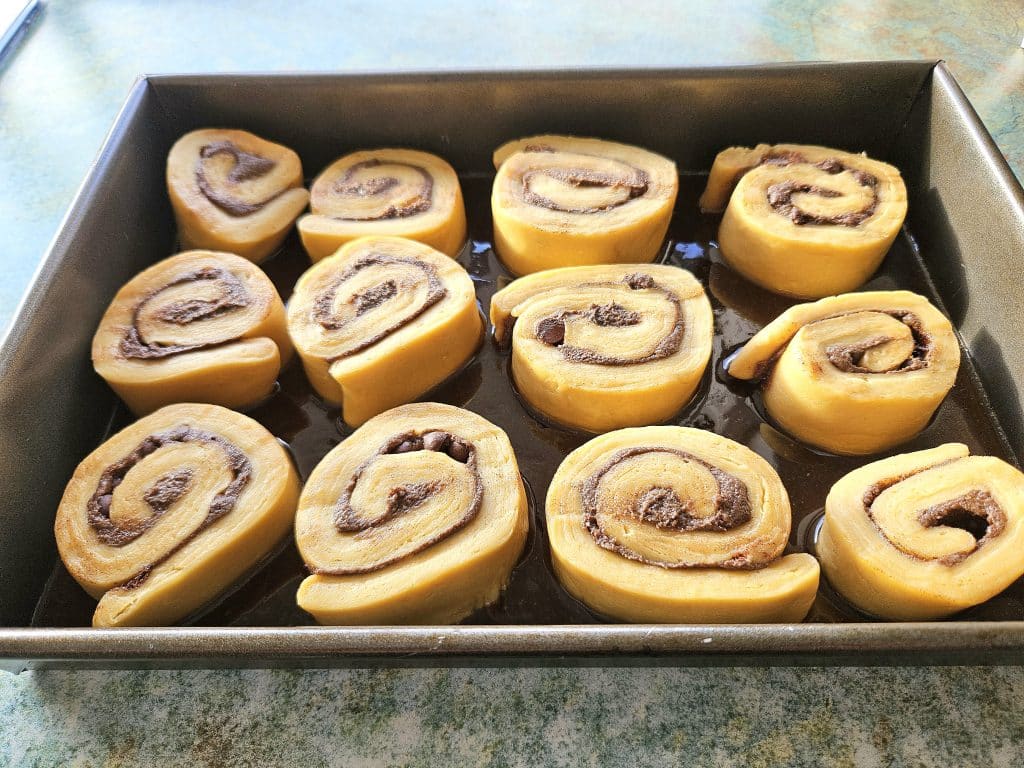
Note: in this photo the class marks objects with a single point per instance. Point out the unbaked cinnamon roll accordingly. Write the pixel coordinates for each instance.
(170, 512)
(924, 534)
(199, 327)
(805, 221)
(233, 191)
(417, 518)
(853, 374)
(382, 322)
(562, 201)
(606, 346)
(676, 525)
(398, 192)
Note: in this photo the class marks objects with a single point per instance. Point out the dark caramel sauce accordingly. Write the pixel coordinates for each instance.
(296, 415)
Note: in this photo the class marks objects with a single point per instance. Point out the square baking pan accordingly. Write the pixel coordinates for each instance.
(963, 245)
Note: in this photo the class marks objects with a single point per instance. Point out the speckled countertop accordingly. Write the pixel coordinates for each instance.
(59, 92)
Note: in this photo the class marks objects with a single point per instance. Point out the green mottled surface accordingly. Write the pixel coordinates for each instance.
(59, 93)
(727, 717)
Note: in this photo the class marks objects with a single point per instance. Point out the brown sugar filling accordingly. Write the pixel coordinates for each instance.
(376, 296)
(247, 166)
(348, 187)
(233, 295)
(164, 492)
(550, 330)
(405, 498)
(662, 507)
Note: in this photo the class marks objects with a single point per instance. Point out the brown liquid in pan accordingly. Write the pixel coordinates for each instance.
(298, 418)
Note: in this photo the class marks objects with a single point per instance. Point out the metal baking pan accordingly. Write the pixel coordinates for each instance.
(963, 245)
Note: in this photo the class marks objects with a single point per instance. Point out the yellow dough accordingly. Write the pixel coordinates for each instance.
(199, 327)
(676, 525)
(233, 191)
(853, 374)
(925, 534)
(562, 201)
(400, 192)
(607, 346)
(382, 322)
(170, 512)
(805, 221)
(417, 518)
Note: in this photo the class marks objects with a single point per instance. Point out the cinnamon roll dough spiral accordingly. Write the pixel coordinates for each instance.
(417, 518)
(604, 347)
(676, 525)
(233, 191)
(381, 322)
(853, 374)
(561, 201)
(171, 511)
(805, 221)
(199, 327)
(925, 534)
(399, 192)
